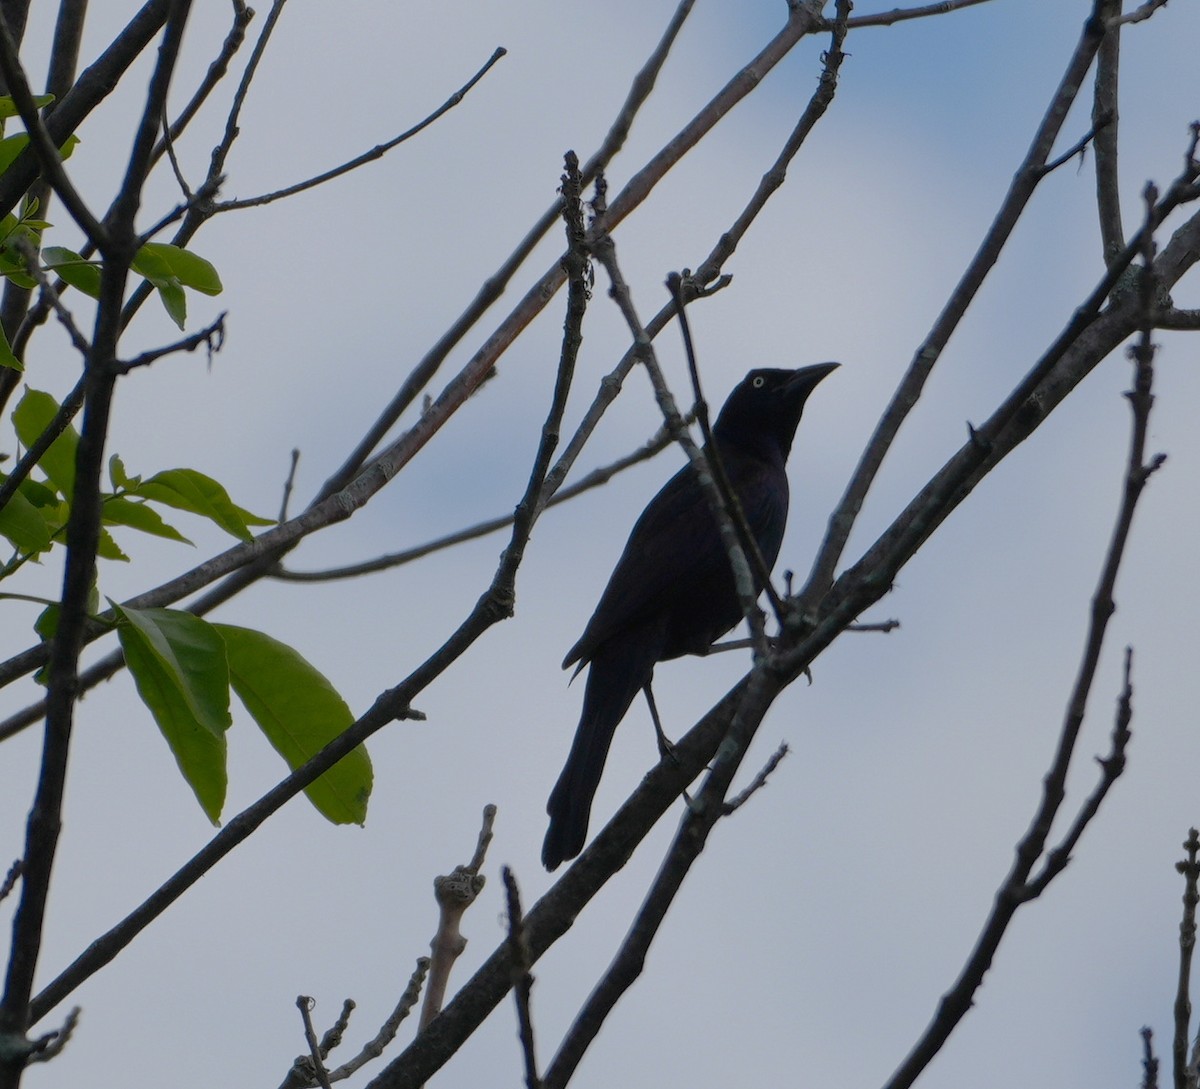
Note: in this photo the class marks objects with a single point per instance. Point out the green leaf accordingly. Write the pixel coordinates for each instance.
(117, 475)
(80, 274)
(119, 511)
(173, 299)
(252, 519)
(7, 358)
(178, 664)
(151, 263)
(187, 489)
(25, 525)
(8, 108)
(299, 712)
(46, 625)
(30, 418)
(11, 147)
(108, 549)
(164, 260)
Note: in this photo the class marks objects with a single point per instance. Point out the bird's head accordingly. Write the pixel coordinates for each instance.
(764, 409)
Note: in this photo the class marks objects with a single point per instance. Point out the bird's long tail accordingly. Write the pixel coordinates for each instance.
(616, 674)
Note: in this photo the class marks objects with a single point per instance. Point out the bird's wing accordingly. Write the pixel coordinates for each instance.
(675, 547)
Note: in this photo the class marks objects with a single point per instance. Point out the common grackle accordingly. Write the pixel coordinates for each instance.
(672, 592)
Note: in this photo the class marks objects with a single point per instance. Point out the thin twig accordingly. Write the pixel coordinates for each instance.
(758, 782)
(50, 293)
(1088, 337)
(169, 143)
(522, 980)
(1177, 319)
(602, 475)
(1141, 13)
(300, 1076)
(305, 1005)
(1106, 106)
(699, 819)
(377, 152)
(51, 1044)
(1111, 767)
(212, 337)
(1149, 1062)
(729, 498)
(217, 70)
(1077, 148)
(455, 893)
(1189, 868)
(604, 248)
(899, 15)
(60, 74)
(10, 879)
(288, 484)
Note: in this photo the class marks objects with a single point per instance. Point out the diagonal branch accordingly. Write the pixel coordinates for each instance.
(377, 152)
(1028, 174)
(1017, 887)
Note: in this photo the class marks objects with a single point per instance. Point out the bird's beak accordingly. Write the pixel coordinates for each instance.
(805, 379)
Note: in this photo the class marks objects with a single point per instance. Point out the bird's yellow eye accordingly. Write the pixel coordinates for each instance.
(759, 382)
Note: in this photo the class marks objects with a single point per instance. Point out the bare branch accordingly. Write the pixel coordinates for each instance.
(1149, 1062)
(217, 70)
(305, 1004)
(731, 506)
(1190, 869)
(1027, 176)
(377, 152)
(50, 293)
(454, 893)
(1017, 888)
(1177, 319)
(288, 484)
(602, 475)
(899, 15)
(10, 879)
(604, 248)
(51, 1044)
(211, 337)
(1141, 13)
(701, 815)
(1106, 109)
(757, 783)
(522, 980)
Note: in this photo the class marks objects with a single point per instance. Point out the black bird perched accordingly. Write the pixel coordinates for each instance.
(672, 592)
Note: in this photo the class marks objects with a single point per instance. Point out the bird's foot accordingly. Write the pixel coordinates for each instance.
(666, 747)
